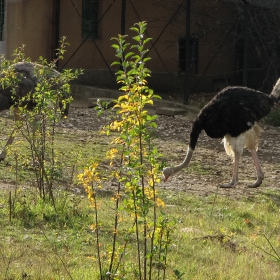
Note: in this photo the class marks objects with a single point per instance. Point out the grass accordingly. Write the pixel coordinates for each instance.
(73, 153)
(215, 238)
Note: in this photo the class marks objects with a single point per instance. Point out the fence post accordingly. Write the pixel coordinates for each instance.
(123, 17)
(245, 44)
(55, 28)
(187, 54)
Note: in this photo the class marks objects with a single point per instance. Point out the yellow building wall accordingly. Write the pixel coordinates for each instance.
(30, 23)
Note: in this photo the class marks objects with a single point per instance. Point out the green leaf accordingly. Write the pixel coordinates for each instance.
(115, 46)
(151, 118)
(157, 96)
(115, 63)
(137, 38)
(129, 55)
(147, 40)
(134, 29)
(146, 59)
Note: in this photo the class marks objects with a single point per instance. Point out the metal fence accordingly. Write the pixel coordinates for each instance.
(197, 45)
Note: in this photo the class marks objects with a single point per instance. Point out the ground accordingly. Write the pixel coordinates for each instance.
(210, 165)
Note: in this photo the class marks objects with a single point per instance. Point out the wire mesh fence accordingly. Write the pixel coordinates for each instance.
(231, 42)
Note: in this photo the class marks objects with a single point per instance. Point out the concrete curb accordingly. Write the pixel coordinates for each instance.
(89, 95)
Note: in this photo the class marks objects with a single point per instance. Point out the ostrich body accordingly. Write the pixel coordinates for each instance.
(233, 115)
(25, 72)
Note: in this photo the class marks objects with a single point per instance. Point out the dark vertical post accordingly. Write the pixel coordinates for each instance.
(245, 46)
(123, 23)
(123, 17)
(187, 55)
(55, 27)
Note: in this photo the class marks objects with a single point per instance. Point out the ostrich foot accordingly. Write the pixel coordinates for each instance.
(2, 155)
(256, 184)
(231, 184)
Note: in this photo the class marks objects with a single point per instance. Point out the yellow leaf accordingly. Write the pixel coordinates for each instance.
(125, 96)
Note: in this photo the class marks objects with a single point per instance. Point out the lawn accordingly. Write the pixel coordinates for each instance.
(213, 238)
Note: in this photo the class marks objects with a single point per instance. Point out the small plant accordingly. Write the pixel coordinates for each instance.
(40, 110)
(139, 251)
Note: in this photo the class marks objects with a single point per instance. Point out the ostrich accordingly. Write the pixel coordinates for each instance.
(27, 81)
(233, 115)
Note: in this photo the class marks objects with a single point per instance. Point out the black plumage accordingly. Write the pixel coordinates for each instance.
(27, 80)
(233, 114)
(232, 111)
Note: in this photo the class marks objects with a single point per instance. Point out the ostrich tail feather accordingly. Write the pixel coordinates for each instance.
(275, 94)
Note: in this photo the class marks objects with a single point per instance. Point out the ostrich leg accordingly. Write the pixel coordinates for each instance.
(260, 174)
(234, 179)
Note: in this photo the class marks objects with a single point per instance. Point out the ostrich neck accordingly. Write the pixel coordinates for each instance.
(186, 161)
